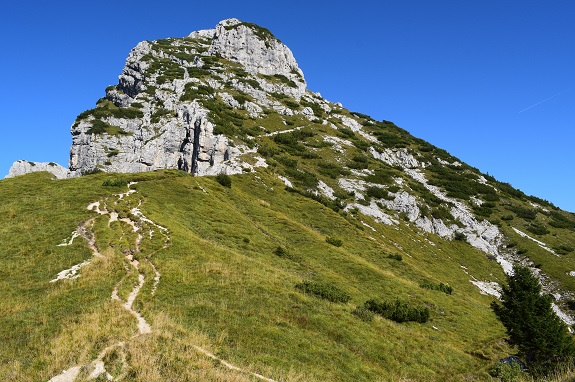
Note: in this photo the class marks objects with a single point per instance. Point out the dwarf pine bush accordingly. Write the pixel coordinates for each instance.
(398, 311)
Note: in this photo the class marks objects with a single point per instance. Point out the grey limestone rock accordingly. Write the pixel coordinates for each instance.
(159, 115)
(21, 167)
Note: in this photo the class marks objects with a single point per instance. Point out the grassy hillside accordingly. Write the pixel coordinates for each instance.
(225, 286)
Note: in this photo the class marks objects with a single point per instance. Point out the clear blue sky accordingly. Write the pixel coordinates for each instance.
(490, 81)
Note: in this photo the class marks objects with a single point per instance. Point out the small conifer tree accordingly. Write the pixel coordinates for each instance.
(541, 338)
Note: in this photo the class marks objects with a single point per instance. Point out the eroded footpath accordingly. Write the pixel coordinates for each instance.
(135, 227)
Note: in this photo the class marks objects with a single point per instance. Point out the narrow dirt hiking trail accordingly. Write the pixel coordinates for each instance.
(142, 227)
(96, 368)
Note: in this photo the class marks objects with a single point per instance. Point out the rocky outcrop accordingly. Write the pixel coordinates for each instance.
(22, 167)
(166, 110)
(257, 50)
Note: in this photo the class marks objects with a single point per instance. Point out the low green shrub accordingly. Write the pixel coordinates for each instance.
(332, 170)
(333, 241)
(398, 311)
(537, 229)
(563, 249)
(345, 132)
(224, 180)
(460, 236)
(280, 252)
(101, 127)
(395, 256)
(522, 212)
(115, 183)
(324, 291)
(506, 372)
(304, 178)
(378, 193)
(445, 288)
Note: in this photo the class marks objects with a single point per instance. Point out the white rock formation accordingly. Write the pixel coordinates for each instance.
(257, 50)
(167, 129)
(21, 167)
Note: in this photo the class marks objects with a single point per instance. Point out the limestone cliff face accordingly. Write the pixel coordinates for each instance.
(175, 98)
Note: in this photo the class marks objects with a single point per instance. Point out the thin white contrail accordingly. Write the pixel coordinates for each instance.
(540, 102)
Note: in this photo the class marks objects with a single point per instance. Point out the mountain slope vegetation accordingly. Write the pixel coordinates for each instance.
(321, 244)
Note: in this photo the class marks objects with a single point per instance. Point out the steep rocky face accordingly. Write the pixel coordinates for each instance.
(174, 104)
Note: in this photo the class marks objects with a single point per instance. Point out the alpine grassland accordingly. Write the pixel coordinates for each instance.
(230, 295)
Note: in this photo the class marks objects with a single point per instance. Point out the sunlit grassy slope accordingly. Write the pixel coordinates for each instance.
(223, 288)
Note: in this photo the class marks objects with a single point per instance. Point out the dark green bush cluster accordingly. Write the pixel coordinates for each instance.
(167, 70)
(457, 184)
(395, 256)
(309, 155)
(333, 241)
(115, 183)
(196, 72)
(333, 170)
(282, 79)
(101, 127)
(293, 137)
(192, 92)
(286, 161)
(381, 176)
(563, 249)
(239, 72)
(325, 291)
(537, 229)
(252, 82)
(224, 180)
(485, 210)
(442, 213)
(112, 152)
(559, 220)
(107, 109)
(291, 104)
(226, 120)
(360, 144)
(285, 254)
(91, 171)
(509, 189)
(398, 311)
(266, 150)
(523, 212)
(390, 139)
(345, 132)
(445, 288)
(241, 98)
(425, 194)
(460, 236)
(305, 178)
(280, 252)
(359, 162)
(378, 193)
(292, 141)
(158, 114)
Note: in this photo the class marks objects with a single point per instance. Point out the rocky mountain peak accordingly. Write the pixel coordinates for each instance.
(256, 48)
